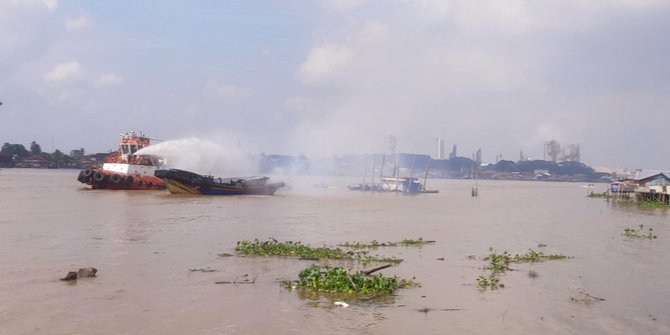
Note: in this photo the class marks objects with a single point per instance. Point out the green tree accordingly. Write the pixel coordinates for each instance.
(14, 149)
(35, 148)
(58, 157)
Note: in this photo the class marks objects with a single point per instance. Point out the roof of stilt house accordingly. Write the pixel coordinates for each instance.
(649, 174)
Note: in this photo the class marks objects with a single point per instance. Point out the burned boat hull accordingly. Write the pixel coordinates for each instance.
(186, 182)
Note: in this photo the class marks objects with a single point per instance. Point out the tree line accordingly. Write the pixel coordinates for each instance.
(21, 153)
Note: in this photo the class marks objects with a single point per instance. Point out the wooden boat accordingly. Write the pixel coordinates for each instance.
(186, 182)
(125, 170)
(394, 183)
(409, 185)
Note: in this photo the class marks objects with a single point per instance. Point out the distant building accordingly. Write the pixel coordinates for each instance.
(76, 154)
(440, 149)
(453, 152)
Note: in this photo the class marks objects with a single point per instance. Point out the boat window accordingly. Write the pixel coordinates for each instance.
(133, 148)
(124, 148)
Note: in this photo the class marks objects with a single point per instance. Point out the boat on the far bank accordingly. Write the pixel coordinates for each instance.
(186, 182)
(409, 185)
(124, 169)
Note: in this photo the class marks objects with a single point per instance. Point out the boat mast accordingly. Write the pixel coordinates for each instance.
(381, 169)
(374, 161)
(425, 176)
(396, 171)
(365, 171)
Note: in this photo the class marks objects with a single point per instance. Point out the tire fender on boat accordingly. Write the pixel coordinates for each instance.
(129, 180)
(87, 173)
(115, 178)
(98, 176)
(81, 177)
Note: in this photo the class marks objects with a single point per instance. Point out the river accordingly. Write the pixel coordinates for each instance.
(144, 244)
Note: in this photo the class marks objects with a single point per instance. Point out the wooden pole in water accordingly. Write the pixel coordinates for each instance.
(475, 192)
(425, 175)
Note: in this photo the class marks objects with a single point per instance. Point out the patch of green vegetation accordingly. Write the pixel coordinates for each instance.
(639, 233)
(272, 247)
(651, 204)
(499, 263)
(490, 282)
(640, 203)
(339, 280)
(598, 195)
(376, 244)
(534, 256)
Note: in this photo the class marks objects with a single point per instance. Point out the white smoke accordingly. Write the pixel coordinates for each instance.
(203, 156)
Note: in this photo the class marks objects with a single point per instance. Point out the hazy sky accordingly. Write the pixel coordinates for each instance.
(339, 76)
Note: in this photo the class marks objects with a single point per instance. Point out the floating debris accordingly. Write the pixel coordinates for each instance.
(237, 281)
(87, 272)
(203, 270)
(425, 310)
(341, 304)
(70, 276)
(584, 297)
(81, 273)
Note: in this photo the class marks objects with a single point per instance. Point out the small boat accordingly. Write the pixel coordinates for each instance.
(186, 182)
(394, 183)
(409, 185)
(124, 169)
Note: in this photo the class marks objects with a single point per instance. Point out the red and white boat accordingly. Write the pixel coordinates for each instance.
(124, 170)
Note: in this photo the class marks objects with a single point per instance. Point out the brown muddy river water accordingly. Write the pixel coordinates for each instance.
(144, 243)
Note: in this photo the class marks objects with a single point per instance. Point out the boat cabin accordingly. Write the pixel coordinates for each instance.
(401, 184)
(131, 143)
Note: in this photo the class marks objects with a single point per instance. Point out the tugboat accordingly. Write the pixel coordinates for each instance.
(186, 182)
(124, 170)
